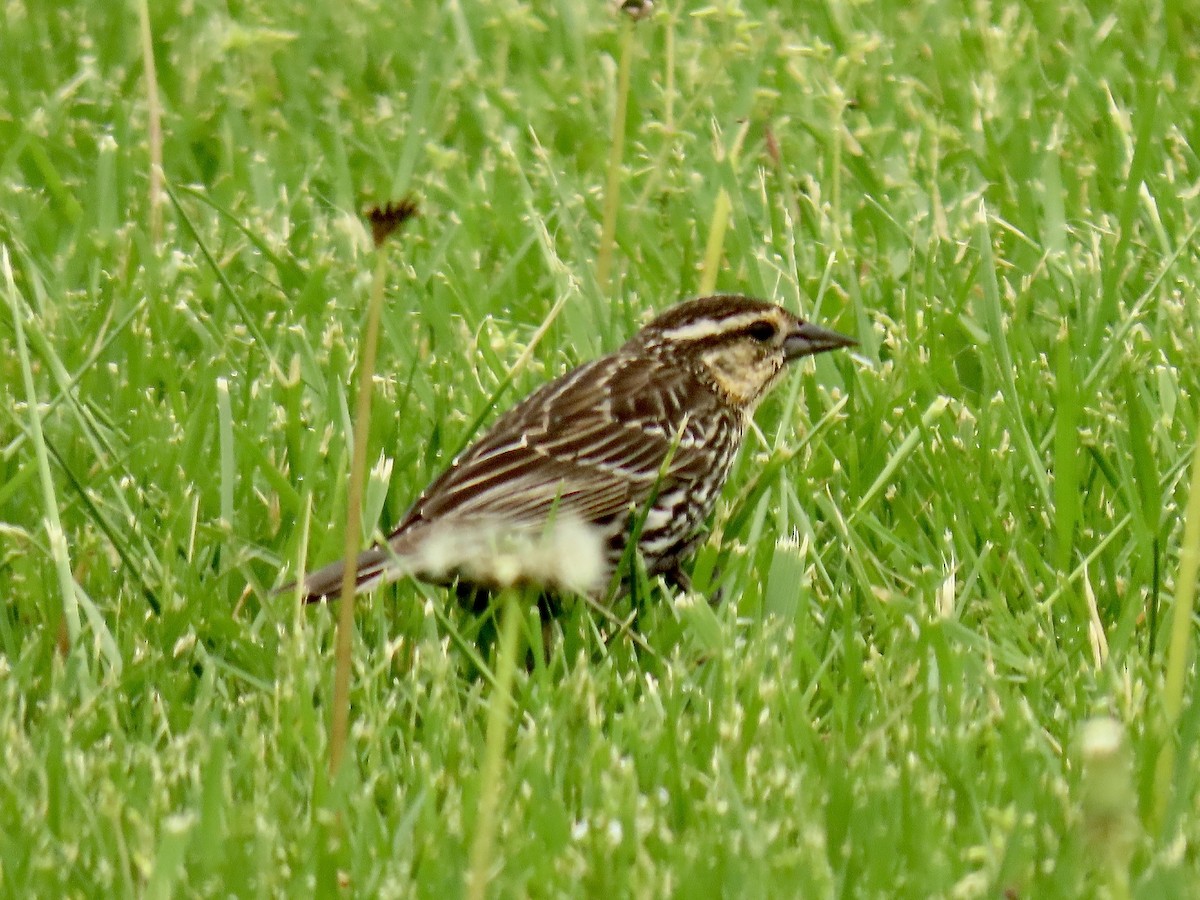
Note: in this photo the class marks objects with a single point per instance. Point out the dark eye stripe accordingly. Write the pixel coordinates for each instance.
(761, 331)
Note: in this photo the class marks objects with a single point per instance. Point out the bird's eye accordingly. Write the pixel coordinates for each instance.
(763, 332)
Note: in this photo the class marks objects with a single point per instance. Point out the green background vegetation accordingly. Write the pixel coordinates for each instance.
(939, 558)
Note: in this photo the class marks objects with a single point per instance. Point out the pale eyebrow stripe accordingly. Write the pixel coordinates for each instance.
(694, 331)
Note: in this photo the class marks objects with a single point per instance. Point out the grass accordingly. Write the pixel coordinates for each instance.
(941, 560)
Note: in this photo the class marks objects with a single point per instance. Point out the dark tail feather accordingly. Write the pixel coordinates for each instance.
(326, 582)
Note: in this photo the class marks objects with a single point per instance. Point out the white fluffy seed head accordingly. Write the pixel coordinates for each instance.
(565, 554)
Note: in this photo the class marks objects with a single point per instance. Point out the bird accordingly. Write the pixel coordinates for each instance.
(636, 444)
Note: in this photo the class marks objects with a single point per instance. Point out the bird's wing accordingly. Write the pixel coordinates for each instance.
(591, 443)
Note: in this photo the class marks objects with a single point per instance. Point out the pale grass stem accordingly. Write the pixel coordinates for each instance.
(669, 75)
(225, 443)
(1179, 648)
(54, 529)
(340, 726)
(153, 123)
(491, 773)
(616, 150)
(714, 248)
(298, 603)
(1107, 803)
(715, 245)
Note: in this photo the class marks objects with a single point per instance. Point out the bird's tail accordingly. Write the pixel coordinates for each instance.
(566, 554)
(371, 567)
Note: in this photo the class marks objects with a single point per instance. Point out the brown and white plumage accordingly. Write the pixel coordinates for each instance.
(649, 431)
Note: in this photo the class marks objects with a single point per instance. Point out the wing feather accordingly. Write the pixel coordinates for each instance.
(591, 443)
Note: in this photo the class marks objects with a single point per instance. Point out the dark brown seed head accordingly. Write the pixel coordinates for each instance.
(386, 219)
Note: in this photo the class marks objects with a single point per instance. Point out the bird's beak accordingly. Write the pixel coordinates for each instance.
(806, 339)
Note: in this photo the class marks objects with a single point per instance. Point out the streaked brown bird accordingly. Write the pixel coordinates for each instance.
(636, 442)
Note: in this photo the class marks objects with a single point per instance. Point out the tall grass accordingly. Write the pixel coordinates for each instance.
(937, 559)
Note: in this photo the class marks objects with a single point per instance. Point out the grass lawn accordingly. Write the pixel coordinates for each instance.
(941, 557)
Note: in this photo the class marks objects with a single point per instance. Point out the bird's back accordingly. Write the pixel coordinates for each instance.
(592, 444)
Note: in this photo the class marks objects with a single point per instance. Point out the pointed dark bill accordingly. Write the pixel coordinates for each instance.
(806, 339)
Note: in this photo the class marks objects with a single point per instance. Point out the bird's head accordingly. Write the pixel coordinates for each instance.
(736, 344)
